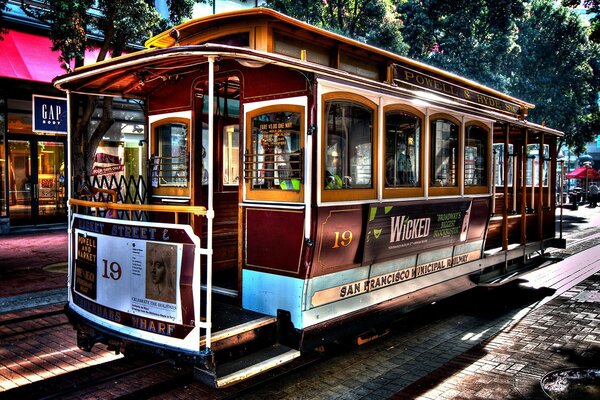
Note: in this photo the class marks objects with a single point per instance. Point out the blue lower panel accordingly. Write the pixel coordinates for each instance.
(267, 293)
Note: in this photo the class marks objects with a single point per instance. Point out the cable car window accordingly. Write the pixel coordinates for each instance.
(499, 164)
(349, 149)
(231, 157)
(274, 161)
(444, 153)
(534, 165)
(402, 149)
(476, 144)
(170, 167)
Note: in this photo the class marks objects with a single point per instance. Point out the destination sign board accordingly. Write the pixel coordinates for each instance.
(446, 88)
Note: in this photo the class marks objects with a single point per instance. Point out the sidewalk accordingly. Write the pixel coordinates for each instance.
(558, 331)
(33, 261)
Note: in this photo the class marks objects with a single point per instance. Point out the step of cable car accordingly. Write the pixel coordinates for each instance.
(498, 278)
(248, 366)
(234, 326)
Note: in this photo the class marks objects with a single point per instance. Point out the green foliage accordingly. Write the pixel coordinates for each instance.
(472, 38)
(558, 70)
(369, 21)
(593, 11)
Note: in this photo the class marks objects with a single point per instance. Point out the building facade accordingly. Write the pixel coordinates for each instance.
(33, 129)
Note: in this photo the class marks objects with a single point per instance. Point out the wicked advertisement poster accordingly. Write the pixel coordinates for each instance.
(402, 229)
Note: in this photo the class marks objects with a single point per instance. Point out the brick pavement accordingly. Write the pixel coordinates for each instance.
(500, 350)
(564, 333)
(494, 344)
(24, 260)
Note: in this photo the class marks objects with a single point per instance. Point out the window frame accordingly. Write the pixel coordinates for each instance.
(445, 190)
(291, 196)
(349, 194)
(415, 191)
(479, 189)
(172, 191)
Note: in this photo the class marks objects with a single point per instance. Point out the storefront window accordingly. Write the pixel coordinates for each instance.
(402, 149)
(349, 146)
(476, 143)
(444, 153)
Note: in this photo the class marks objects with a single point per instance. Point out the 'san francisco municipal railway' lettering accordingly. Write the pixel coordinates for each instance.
(376, 282)
(381, 281)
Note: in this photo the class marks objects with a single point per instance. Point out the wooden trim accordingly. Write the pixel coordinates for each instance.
(173, 190)
(349, 194)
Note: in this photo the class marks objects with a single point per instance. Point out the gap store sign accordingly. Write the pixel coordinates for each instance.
(49, 114)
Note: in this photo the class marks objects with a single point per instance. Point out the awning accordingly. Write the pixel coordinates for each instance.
(581, 172)
(29, 57)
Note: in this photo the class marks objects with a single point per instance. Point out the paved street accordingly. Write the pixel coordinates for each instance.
(484, 344)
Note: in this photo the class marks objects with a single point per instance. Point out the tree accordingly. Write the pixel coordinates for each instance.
(370, 21)
(559, 71)
(593, 10)
(473, 38)
(77, 25)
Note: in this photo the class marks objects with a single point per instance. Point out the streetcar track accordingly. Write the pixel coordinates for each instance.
(32, 317)
(159, 388)
(32, 330)
(71, 383)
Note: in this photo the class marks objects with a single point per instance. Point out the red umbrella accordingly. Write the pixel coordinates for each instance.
(580, 173)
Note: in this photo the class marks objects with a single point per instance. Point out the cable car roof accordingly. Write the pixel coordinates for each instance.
(140, 73)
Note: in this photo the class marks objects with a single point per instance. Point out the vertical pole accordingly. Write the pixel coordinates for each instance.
(380, 155)
(427, 152)
(69, 183)
(524, 161)
(540, 201)
(210, 211)
(561, 182)
(493, 186)
(505, 201)
(514, 180)
(461, 159)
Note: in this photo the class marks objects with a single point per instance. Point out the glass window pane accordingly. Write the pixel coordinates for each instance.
(402, 149)
(444, 152)
(349, 153)
(498, 149)
(533, 164)
(231, 155)
(276, 151)
(171, 163)
(476, 139)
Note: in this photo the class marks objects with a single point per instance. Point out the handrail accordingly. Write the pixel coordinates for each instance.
(195, 210)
